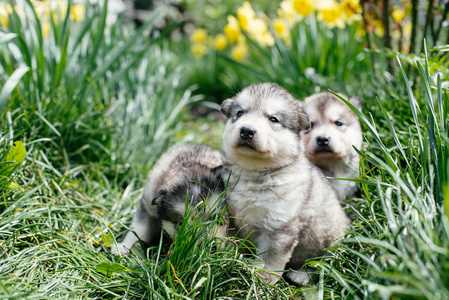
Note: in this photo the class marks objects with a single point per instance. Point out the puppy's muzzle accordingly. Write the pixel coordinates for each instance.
(322, 140)
(247, 133)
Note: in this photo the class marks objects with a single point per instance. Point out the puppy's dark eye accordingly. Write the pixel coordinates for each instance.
(311, 125)
(239, 113)
(273, 119)
(338, 123)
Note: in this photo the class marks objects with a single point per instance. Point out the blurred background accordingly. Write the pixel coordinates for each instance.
(92, 92)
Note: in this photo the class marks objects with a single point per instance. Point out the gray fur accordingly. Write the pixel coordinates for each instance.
(338, 158)
(180, 169)
(276, 195)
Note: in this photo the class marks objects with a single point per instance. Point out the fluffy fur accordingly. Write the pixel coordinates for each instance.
(335, 129)
(181, 169)
(276, 195)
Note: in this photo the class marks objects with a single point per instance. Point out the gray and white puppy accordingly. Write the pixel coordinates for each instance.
(181, 169)
(329, 142)
(276, 196)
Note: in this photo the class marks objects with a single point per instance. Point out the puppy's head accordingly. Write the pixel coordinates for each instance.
(263, 127)
(334, 128)
(201, 187)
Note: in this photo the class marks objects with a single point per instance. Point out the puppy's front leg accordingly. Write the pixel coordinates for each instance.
(275, 252)
(146, 226)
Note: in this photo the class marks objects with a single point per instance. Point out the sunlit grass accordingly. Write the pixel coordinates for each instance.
(92, 133)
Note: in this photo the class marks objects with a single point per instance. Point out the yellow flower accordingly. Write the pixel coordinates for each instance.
(5, 11)
(378, 28)
(245, 14)
(267, 39)
(220, 42)
(303, 7)
(407, 29)
(287, 11)
(256, 27)
(239, 51)
(258, 31)
(199, 35)
(198, 49)
(398, 14)
(332, 16)
(232, 30)
(58, 9)
(350, 7)
(46, 29)
(77, 12)
(281, 28)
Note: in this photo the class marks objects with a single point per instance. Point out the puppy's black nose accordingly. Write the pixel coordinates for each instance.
(322, 140)
(247, 133)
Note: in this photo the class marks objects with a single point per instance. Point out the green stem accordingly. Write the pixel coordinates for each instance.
(414, 25)
(387, 37)
(428, 21)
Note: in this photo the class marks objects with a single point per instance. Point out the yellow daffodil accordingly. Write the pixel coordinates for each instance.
(77, 13)
(58, 9)
(267, 39)
(46, 29)
(220, 42)
(199, 35)
(258, 30)
(303, 7)
(232, 30)
(350, 7)
(332, 16)
(352, 11)
(40, 10)
(398, 14)
(378, 28)
(5, 11)
(198, 49)
(245, 14)
(281, 28)
(256, 27)
(287, 12)
(239, 51)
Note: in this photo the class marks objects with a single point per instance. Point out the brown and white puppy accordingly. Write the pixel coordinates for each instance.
(182, 171)
(276, 196)
(329, 142)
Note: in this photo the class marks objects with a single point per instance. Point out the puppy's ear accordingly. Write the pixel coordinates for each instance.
(304, 123)
(157, 200)
(226, 107)
(303, 119)
(217, 170)
(356, 101)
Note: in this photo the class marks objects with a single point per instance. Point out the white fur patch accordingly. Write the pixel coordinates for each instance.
(169, 227)
(299, 277)
(141, 229)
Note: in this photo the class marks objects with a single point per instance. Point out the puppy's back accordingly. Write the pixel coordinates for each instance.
(177, 163)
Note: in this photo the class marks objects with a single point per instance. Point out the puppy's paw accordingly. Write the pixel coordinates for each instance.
(268, 277)
(298, 277)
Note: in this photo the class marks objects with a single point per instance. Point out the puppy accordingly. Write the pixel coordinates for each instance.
(276, 197)
(329, 142)
(182, 170)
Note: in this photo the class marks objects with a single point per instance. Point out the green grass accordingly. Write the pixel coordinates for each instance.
(399, 242)
(92, 132)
